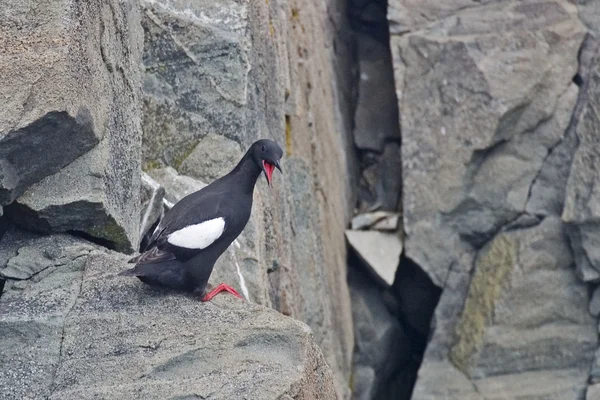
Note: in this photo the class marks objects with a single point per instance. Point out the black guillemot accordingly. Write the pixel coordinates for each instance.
(192, 236)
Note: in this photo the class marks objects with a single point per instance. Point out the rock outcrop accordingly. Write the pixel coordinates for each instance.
(70, 328)
(70, 125)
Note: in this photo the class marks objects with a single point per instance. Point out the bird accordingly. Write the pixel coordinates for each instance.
(196, 231)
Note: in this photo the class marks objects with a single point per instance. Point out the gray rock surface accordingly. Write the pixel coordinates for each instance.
(53, 75)
(70, 134)
(376, 116)
(514, 337)
(176, 186)
(79, 198)
(212, 158)
(593, 392)
(581, 203)
(237, 71)
(497, 163)
(595, 371)
(196, 82)
(76, 330)
(380, 252)
(530, 327)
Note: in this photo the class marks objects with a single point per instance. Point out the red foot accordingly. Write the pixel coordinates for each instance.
(221, 288)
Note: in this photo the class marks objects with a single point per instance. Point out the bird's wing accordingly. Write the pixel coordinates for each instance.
(191, 226)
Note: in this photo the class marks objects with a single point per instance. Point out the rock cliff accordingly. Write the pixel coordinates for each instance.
(452, 146)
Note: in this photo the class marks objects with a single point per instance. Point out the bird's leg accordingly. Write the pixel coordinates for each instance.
(221, 288)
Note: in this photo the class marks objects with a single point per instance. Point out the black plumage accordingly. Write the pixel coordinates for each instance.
(212, 217)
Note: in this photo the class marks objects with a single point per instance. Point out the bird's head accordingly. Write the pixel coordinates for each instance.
(266, 154)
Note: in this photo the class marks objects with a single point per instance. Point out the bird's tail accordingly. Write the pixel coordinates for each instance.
(134, 259)
(171, 274)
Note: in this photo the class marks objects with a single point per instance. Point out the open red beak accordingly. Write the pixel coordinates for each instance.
(269, 168)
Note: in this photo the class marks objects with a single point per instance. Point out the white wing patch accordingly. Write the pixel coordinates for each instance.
(198, 236)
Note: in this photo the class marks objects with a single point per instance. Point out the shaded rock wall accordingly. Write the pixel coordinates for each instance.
(222, 74)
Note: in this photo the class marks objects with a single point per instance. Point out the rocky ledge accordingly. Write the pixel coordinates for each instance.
(71, 328)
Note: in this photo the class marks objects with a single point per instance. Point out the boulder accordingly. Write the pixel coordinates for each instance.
(70, 131)
(493, 116)
(76, 330)
(78, 198)
(379, 251)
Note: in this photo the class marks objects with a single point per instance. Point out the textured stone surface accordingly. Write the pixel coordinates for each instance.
(65, 336)
(595, 371)
(176, 186)
(212, 158)
(485, 123)
(236, 71)
(376, 116)
(530, 327)
(379, 251)
(593, 392)
(581, 210)
(71, 121)
(493, 120)
(79, 198)
(196, 82)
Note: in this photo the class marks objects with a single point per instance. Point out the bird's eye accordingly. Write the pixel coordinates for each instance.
(264, 148)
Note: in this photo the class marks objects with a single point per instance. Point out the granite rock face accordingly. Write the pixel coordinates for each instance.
(498, 141)
(70, 126)
(220, 75)
(72, 329)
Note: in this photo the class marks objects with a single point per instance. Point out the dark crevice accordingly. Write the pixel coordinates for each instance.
(578, 80)
(417, 297)
(4, 225)
(411, 302)
(99, 241)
